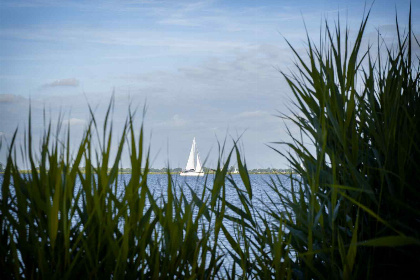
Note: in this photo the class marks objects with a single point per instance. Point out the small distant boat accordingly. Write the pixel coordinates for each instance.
(194, 167)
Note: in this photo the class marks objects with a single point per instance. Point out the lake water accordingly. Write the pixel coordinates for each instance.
(260, 184)
(158, 183)
(263, 194)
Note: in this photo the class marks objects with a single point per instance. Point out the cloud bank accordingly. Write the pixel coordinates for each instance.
(71, 82)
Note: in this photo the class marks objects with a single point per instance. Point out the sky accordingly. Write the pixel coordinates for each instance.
(205, 69)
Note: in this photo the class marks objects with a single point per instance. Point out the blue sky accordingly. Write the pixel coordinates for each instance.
(206, 68)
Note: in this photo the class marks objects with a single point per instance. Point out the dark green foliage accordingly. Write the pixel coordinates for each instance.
(59, 223)
(353, 211)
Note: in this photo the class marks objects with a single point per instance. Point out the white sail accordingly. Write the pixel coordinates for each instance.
(198, 168)
(191, 158)
(194, 167)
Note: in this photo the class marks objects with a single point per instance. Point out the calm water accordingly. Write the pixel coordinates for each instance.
(262, 192)
(158, 183)
(260, 186)
(263, 195)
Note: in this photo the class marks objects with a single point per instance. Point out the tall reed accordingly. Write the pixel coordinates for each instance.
(353, 211)
(60, 223)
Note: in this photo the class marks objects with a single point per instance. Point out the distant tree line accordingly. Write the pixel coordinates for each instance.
(210, 170)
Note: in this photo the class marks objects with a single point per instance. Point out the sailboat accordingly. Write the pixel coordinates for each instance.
(194, 167)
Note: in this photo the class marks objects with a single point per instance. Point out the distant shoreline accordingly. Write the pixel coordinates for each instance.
(176, 173)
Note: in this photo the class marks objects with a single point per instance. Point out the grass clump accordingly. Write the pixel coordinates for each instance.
(353, 211)
(60, 223)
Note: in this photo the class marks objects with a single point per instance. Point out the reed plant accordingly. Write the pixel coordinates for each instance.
(353, 210)
(60, 223)
(350, 212)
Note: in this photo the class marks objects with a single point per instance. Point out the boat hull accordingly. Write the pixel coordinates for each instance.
(193, 174)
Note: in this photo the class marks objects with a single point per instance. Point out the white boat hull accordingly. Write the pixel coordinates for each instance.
(191, 174)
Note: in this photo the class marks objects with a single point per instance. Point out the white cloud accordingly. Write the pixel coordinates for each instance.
(11, 98)
(71, 82)
(252, 114)
(175, 121)
(178, 21)
(74, 122)
(122, 37)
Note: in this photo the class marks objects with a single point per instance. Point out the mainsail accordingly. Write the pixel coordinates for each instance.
(191, 158)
